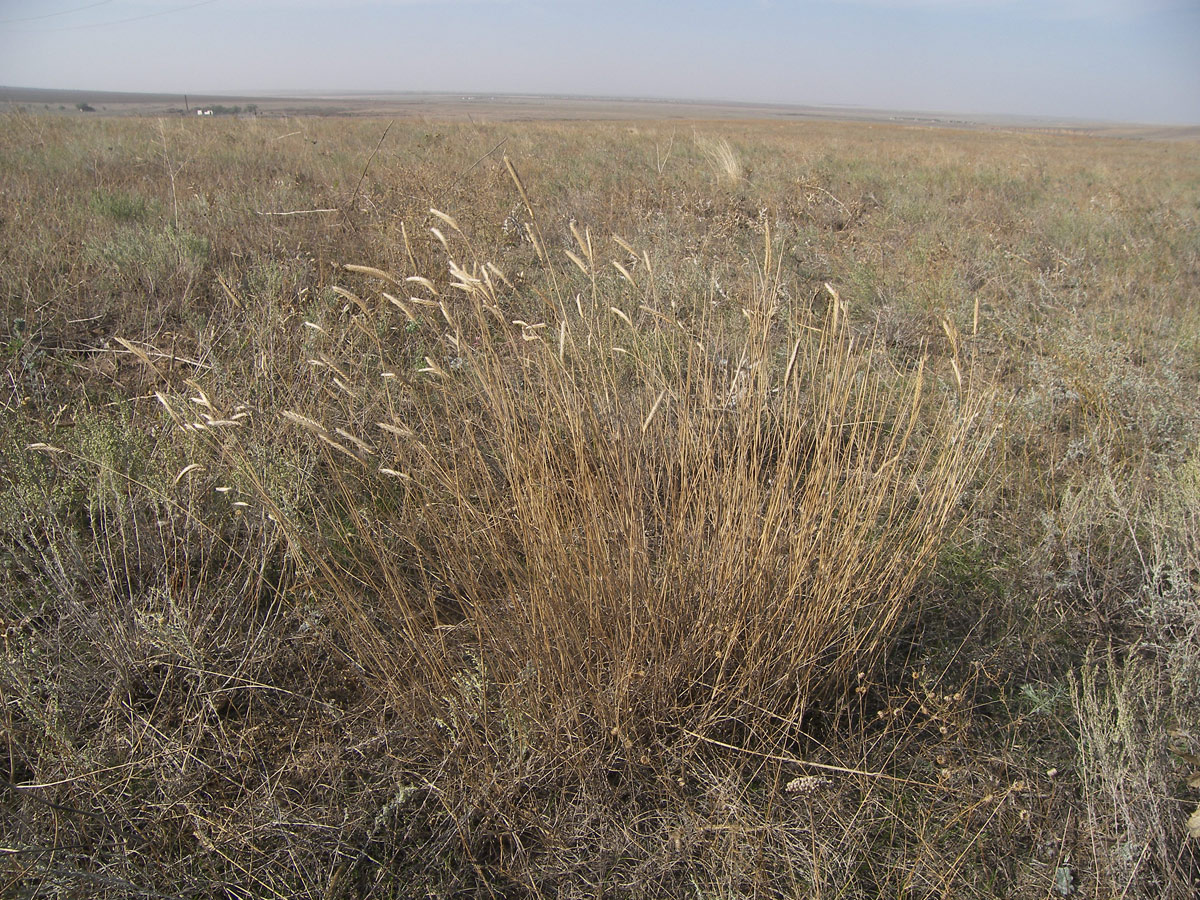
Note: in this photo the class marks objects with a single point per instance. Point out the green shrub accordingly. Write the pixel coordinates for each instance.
(120, 206)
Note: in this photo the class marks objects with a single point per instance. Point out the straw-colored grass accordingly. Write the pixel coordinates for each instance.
(627, 531)
(722, 157)
(621, 528)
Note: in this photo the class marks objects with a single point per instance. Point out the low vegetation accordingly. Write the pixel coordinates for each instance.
(557, 510)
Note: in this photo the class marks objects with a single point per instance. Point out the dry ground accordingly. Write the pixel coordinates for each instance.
(788, 510)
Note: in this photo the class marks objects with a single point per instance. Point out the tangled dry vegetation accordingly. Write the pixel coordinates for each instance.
(581, 510)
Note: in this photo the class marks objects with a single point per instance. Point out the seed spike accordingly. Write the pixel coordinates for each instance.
(446, 218)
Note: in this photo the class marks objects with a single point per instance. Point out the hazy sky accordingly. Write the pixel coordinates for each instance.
(1132, 60)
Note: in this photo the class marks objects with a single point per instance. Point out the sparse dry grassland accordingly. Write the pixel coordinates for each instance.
(582, 510)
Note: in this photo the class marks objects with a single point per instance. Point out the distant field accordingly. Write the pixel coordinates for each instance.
(709, 502)
(521, 108)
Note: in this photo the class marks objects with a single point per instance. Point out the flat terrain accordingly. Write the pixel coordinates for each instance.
(484, 498)
(521, 108)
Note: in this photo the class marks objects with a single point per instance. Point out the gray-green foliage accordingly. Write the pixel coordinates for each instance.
(123, 206)
(1139, 717)
(148, 255)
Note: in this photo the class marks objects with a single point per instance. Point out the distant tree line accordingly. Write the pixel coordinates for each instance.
(219, 110)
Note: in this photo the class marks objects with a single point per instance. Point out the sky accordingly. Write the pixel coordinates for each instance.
(1115, 60)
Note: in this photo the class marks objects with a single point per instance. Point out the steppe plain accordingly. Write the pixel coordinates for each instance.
(535, 497)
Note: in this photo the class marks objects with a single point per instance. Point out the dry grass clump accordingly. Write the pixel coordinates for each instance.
(645, 540)
(590, 534)
(723, 159)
